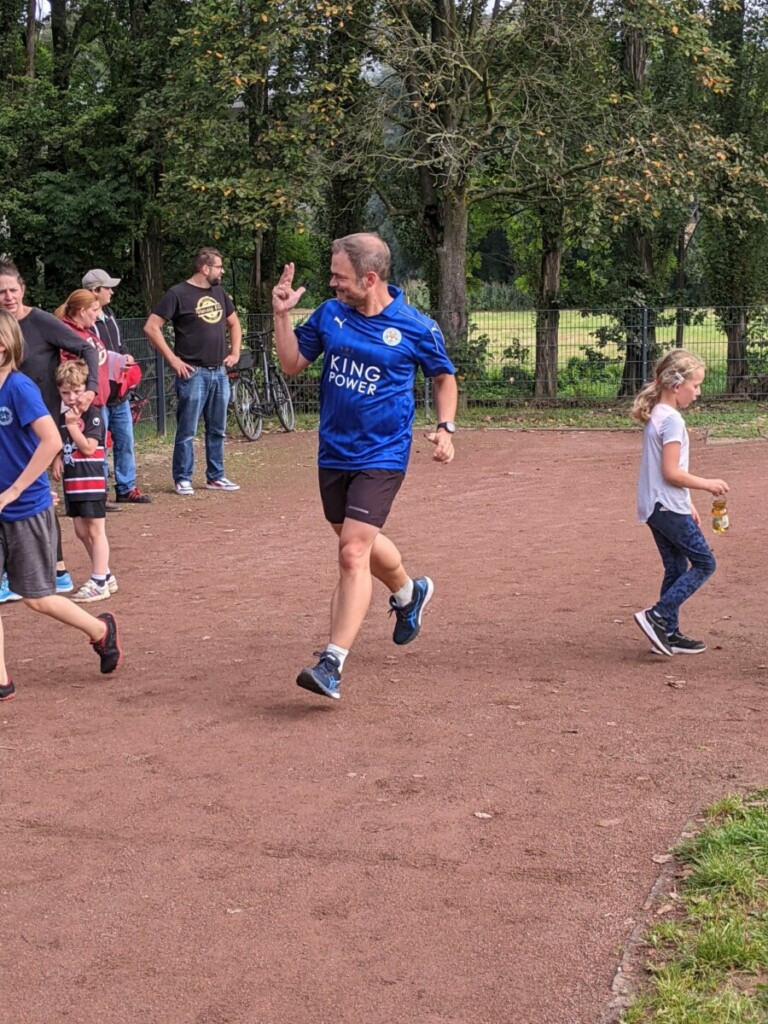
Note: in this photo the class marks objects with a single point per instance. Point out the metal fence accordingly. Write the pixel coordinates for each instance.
(509, 358)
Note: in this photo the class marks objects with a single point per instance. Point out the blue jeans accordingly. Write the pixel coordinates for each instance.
(687, 558)
(120, 425)
(204, 391)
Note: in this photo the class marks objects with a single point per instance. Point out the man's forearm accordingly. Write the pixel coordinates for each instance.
(446, 397)
(286, 343)
(235, 338)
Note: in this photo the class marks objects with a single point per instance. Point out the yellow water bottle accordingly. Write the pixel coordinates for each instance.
(720, 521)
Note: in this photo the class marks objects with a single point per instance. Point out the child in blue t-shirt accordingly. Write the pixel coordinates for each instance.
(29, 441)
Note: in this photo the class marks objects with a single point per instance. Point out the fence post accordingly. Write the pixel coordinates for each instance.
(161, 404)
(644, 346)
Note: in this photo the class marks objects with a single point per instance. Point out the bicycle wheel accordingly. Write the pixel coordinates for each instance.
(281, 397)
(247, 403)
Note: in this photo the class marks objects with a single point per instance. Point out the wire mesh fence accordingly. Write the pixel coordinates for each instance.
(557, 357)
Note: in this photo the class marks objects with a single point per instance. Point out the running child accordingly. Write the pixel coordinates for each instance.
(29, 441)
(81, 465)
(664, 501)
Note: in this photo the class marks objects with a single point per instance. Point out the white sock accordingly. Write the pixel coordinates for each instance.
(404, 595)
(338, 652)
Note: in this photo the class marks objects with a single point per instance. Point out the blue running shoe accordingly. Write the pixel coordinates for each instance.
(64, 584)
(6, 594)
(408, 622)
(324, 678)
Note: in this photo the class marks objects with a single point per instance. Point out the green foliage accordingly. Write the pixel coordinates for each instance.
(152, 128)
(499, 297)
(469, 356)
(417, 294)
(596, 375)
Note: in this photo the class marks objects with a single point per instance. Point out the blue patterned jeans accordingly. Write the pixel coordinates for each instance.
(205, 392)
(688, 561)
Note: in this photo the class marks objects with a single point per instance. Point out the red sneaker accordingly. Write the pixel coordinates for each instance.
(134, 496)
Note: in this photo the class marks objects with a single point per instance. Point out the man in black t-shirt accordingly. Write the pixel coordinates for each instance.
(202, 315)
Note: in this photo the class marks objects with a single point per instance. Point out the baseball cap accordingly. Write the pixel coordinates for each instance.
(99, 279)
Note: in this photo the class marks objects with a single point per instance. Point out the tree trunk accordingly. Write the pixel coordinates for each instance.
(151, 262)
(680, 289)
(30, 38)
(738, 365)
(686, 234)
(60, 44)
(9, 23)
(641, 351)
(450, 251)
(548, 312)
(263, 264)
(639, 326)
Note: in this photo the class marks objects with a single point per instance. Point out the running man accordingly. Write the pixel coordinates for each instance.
(372, 344)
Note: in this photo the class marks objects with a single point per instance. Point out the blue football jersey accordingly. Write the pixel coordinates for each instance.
(20, 405)
(366, 388)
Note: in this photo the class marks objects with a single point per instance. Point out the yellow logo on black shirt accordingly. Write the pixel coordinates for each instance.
(209, 309)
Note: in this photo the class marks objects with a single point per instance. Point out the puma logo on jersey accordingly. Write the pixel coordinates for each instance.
(340, 322)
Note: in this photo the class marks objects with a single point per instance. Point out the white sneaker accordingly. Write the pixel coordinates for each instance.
(221, 485)
(184, 487)
(112, 584)
(91, 591)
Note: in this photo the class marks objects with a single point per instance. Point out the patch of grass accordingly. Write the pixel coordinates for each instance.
(736, 419)
(709, 965)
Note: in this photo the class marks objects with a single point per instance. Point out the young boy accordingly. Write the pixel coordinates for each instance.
(29, 441)
(81, 464)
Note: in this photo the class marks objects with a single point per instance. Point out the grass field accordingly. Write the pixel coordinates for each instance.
(577, 332)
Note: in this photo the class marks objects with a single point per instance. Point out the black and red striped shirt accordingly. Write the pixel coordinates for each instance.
(84, 478)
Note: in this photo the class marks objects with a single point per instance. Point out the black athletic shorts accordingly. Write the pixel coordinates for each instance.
(94, 508)
(364, 494)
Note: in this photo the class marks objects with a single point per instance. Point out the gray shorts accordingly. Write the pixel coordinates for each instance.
(28, 554)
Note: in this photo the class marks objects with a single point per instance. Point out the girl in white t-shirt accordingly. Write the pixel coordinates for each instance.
(664, 501)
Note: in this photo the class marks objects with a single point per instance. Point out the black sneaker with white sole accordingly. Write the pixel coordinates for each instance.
(324, 678)
(655, 628)
(682, 644)
(108, 648)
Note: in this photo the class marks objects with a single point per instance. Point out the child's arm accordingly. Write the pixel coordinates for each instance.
(85, 445)
(674, 474)
(50, 443)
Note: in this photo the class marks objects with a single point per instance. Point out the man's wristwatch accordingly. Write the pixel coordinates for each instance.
(448, 425)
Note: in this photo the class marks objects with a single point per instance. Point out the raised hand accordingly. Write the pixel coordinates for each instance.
(284, 295)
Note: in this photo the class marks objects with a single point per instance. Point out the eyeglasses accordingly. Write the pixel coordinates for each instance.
(215, 266)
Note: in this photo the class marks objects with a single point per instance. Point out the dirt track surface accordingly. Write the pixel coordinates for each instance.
(196, 840)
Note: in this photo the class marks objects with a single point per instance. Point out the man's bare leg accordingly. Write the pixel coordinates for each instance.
(387, 565)
(352, 596)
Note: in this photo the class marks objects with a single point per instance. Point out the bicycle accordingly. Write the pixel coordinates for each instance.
(260, 391)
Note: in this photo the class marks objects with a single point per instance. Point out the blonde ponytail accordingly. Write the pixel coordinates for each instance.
(677, 366)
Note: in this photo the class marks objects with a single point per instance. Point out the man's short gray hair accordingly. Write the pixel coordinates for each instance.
(366, 252)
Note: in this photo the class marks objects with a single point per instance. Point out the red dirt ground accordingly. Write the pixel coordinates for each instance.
(198, 841)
